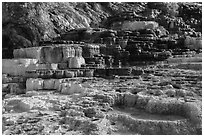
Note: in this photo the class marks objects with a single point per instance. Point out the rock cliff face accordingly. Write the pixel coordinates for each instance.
(26, 24)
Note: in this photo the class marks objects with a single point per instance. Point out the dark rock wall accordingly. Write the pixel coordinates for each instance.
(25, 24)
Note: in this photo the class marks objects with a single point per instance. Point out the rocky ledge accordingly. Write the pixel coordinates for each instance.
(166, 101)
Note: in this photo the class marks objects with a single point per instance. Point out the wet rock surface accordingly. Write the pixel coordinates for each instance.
(102, 68)
(149, 105)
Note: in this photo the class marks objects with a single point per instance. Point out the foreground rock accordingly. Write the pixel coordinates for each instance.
(157, 103)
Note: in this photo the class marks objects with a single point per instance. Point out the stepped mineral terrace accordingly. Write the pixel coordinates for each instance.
(105, 81)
